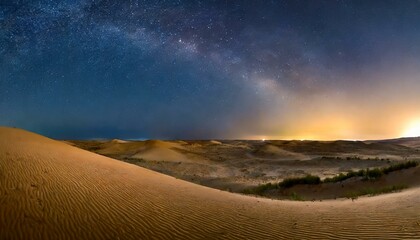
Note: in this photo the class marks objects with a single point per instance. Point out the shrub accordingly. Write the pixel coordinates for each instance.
(308, 179)
(361, 173)
(373, 191)
(341, 177)
(373, 174)
(260, 189)
(295, 197)
(368, 174)
(400, 166)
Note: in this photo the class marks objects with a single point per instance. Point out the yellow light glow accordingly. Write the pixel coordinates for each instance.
(413, 129)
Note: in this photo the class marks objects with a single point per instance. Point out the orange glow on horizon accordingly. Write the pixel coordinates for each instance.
(413, 129)
(344, 129)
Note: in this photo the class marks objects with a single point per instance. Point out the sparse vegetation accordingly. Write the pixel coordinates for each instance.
(295, 197)
(353, 158)
(133, 160)
(400, 166)
(308, 179)
(341, 177)
(365, 174)
(260, 189)
(372, 174)
(373, 191)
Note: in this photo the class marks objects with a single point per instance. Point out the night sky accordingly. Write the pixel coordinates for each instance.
(210, 69)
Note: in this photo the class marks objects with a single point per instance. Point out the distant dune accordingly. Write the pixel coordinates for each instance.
(413, 142)
(151, 150)
(154, 150)
(272, 151)
(51, 190)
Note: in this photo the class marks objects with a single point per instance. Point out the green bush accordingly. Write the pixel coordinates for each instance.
(360, 173)
(341, 177)
(308, 179)
(260, 189)
(373, 191)
(368, 174)
(373, 174)
(295, 197)
(400, 166)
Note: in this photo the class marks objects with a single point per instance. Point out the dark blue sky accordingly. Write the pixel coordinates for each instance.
(209, 69)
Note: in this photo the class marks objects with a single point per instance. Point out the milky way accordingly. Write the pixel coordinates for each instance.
(209, 69)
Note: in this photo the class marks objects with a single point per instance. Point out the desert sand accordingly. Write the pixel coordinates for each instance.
(51, 190)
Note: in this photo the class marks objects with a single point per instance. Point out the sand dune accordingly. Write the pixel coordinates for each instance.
(155, 150)
(150, 150)
(272, 151)
(412, 142)
(160, 154)
(50, 190)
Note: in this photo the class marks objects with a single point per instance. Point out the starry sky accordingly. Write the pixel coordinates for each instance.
(81, 69)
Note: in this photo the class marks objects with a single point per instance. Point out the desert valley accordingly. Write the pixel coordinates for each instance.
(240, 166)
(52, 190)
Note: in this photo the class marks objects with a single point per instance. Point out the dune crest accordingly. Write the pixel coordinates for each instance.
(50, 190)
(150, 150)
(272, 151)
(156, 150)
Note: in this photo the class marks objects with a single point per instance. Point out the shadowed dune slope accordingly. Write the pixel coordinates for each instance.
(151, 150)
(272, 151)
(155, 150)
(413, 142)
(49, 189)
